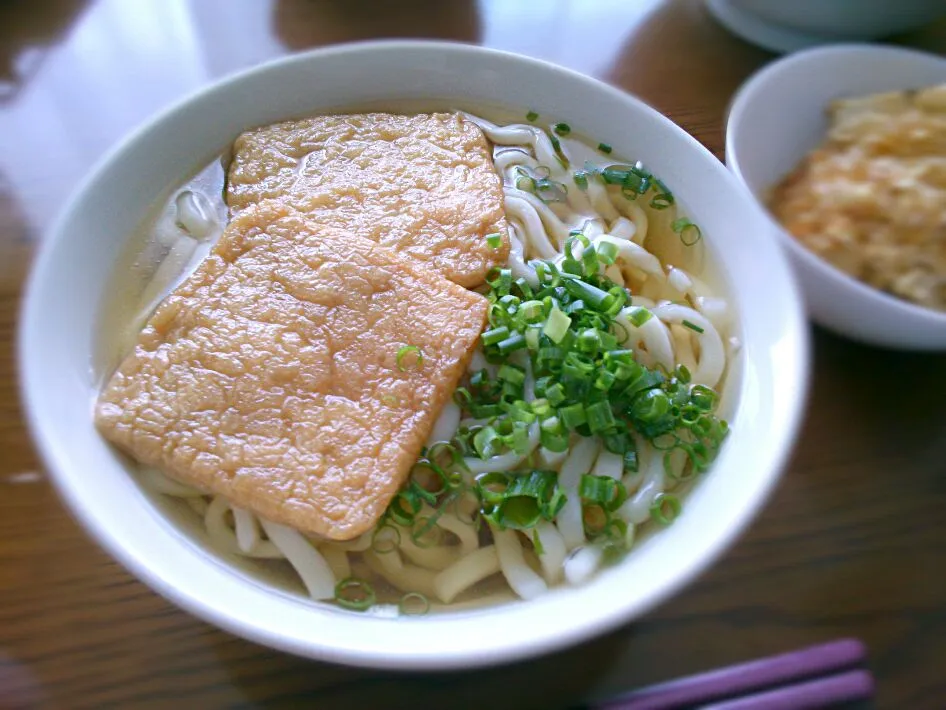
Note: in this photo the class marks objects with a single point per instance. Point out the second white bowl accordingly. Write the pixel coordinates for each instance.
(776, 118)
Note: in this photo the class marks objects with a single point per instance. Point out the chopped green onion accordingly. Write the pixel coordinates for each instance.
(573, 416)
(444, 454)
(605, 491)
(581, 179)
(487, 442)
(537, 543)
(663, 199)
(689, 233)
(404, 360)
(423, 527)
(692, 326)
(511, 373)
(386, 538)
(525, 499)
(562, 129)
(607, 252)
(356, 594)
(494, 336)
(429, 477)
(494, 240)
(557, 325)
(604, 148)
(639, 316)
(531, 116)
(413, 604)
(511, 344)
(406, 505)
(595, 519)
(559, 153)
(525, 183)
(600, 417)
(665, 508)
(552, 435)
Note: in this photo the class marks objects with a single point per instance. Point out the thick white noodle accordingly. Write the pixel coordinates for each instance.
(683, 346)
(653, 335)
(435, 557)
(553, 551)
(465, 572)
(407, 578)
(224, 538)
(712, 355)
(158, 481)
(337, 560)
(523, 581)
(247, 534)
(446, 425)
(633, 254)
(311, 567)
(633, 212)
(622, 228)
(601, 202)
(636, 509)
(609, 464)
(582, 563)
(464, 532)
(579, 461)
(359, 544)
(551, 459)
(555, 230)
(517, 261)
(531, 227)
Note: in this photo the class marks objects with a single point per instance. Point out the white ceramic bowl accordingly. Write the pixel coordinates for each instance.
(66, 292)
(798, 24)
(775, 119)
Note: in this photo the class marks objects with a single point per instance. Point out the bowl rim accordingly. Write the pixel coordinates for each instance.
(745, 96)
(795, 351)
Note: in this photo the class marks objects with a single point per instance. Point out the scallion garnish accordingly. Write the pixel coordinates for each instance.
(409, 357)
(531, 116)
(665, 508)
(519, 501)
(689, 233)
(494, 240)
(356, 594)
(559, 153)
(413, 604)
(604, 148)
(607, 492)
(573, 378)
(562, 129)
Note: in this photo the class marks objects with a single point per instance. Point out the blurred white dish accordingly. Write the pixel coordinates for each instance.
(68, 287)
(775, 119)
(782, 26)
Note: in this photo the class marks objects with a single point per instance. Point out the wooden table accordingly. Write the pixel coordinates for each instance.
(851, 544)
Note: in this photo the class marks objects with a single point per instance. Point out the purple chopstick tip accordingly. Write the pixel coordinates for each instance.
(761, 674)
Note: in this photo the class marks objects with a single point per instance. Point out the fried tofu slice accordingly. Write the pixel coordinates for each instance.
(271, 376)
(423, 186)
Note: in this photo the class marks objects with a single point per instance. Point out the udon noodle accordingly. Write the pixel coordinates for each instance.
(452, 553)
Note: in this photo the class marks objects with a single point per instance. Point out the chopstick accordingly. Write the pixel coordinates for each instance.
(809, 678)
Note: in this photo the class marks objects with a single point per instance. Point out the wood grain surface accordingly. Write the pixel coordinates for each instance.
(851, 544)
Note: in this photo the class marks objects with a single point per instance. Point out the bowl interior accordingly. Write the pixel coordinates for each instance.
(67, 289)
(779, 116)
